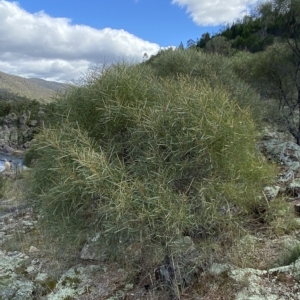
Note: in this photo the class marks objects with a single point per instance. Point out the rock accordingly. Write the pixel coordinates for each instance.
(14, 286)
(42, 277)
(180, 269)
(33, 249)
(294, 187)
(10, 119)
(92, 280)
(269, 132)
(14, 136)
(286, 176)
(17, 130)
(275, 283)
(271, 192)
(2, 143)
(7, 150)
(23, 119)
(5, 133)
(284, 153)
(26, 145)
(33, 123)
(90, 250)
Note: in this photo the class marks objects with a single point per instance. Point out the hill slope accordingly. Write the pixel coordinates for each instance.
(33, 88)
(52, 85)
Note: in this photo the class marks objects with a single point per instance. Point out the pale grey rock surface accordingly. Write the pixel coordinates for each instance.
(13, 285)
(282, 152)
(16, 132)
(277, 283)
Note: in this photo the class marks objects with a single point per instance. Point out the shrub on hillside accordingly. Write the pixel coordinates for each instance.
(213, 68)
(141, 157)
(272, 74)
(14, 103)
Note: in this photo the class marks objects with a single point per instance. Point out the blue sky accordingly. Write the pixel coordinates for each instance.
(61, 39)
(157, 21)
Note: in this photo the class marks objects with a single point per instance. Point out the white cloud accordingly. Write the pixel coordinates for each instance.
(215, 12)
(38, 45)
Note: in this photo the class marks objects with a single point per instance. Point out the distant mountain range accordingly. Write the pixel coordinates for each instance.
(33, 88)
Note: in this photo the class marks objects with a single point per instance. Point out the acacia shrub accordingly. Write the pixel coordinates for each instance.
(144, 158)
(216, 69)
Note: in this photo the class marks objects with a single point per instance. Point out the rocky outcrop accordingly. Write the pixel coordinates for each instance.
(16, 132)
(26, 275)
(277, 283)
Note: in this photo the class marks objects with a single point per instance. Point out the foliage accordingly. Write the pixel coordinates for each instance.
(13, 103)
(276, 71)
(2, 186)
(204, 39)
(270, 21)
(290, 256)
(215, 69)
(146, 154)
(286, 65)
(218, 45)
(281, 18)
(247, 34)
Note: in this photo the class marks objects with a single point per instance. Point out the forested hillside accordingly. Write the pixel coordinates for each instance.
(33, 88)
(263, 49)
(269, 23)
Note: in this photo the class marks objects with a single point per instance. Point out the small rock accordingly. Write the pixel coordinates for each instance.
(294, 187)
(7, 150)
(33, 249)
(271, 191)
(33, 123)
(30, 269)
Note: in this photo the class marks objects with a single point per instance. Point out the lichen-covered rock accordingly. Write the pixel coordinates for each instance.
(14, 136)
(270, 132)
(284, 153)
(271, 192)
(10, 119)
(277, 283)
(13, 285)
(33, 123)
(17, 130)
(294, 187)
(90, 250)
(23, 119)
(92, 280)
(4, 133)
(7, 150)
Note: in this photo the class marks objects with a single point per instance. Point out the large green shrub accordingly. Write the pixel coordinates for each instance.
(141, 157)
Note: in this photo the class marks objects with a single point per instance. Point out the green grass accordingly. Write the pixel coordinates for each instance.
(290, 256)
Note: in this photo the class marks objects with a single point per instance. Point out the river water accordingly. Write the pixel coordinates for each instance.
(16, 161)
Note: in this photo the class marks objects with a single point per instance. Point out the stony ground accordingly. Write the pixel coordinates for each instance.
(29, 271)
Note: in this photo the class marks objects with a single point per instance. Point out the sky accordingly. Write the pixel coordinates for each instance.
(61, 40)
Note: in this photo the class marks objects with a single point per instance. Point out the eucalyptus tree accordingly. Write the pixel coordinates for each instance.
(280, 71)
